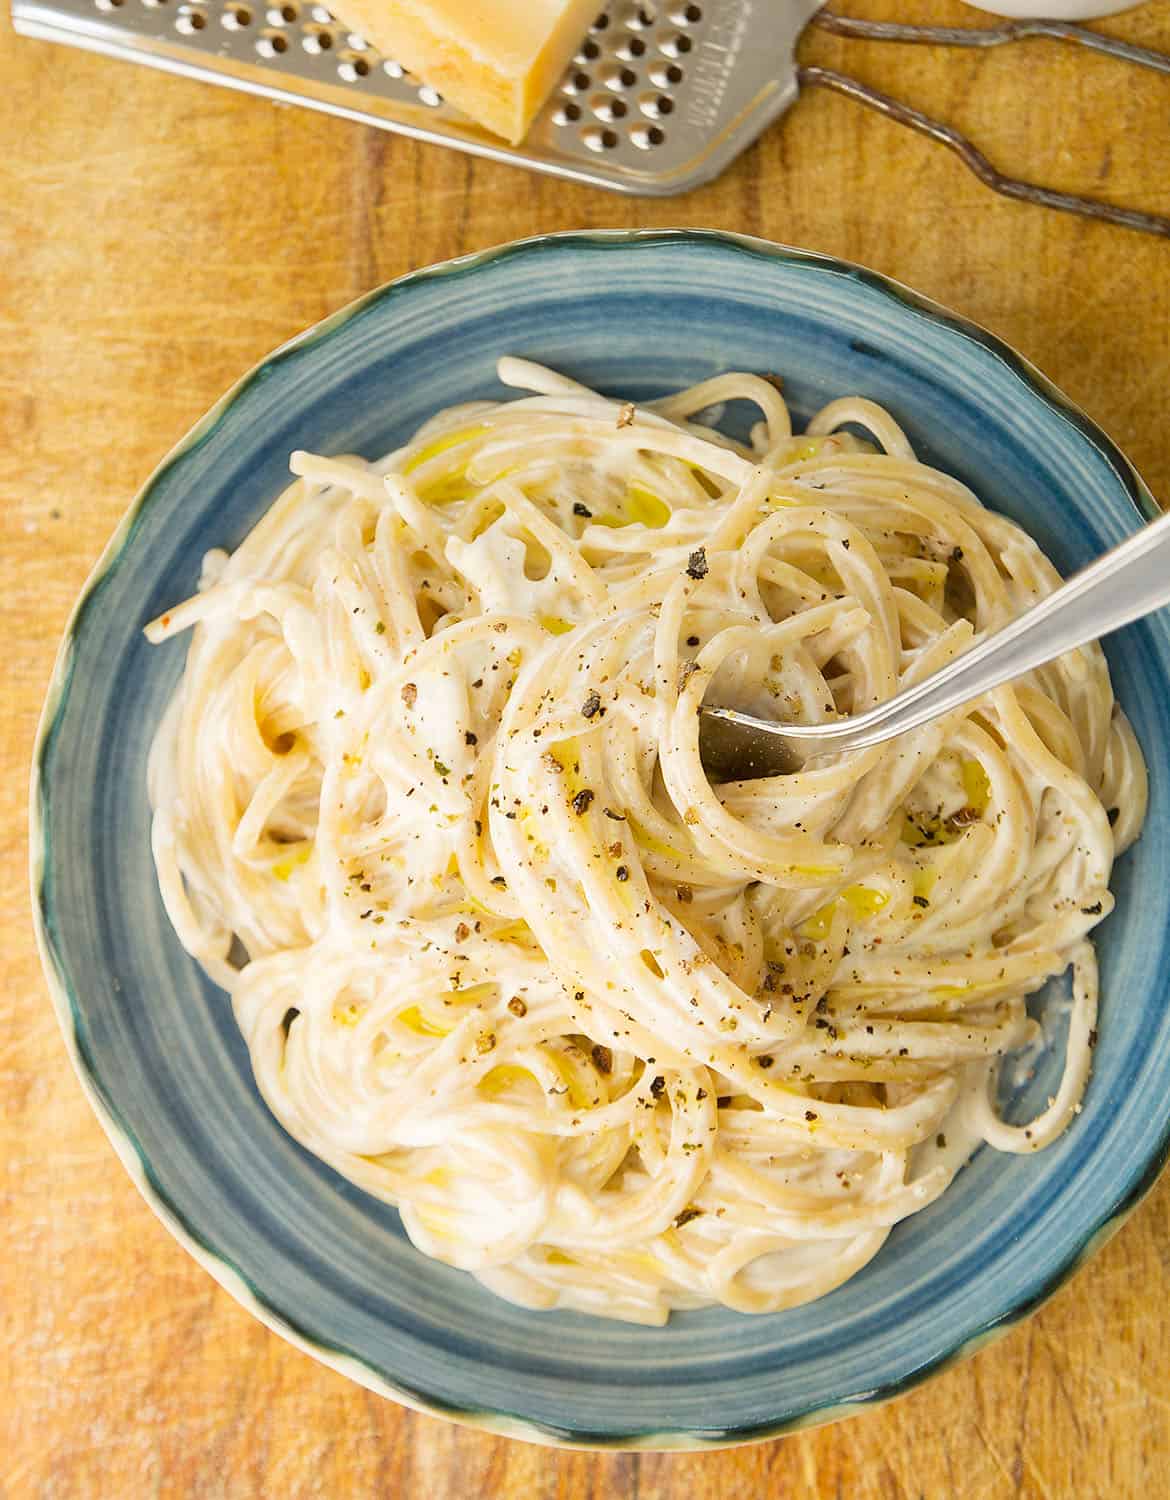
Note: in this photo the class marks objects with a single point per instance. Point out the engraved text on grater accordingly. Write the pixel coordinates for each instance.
(713, 67)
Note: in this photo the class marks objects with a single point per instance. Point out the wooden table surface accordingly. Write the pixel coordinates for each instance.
(156, 238)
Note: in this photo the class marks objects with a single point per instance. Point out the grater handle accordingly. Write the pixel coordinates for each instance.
(963, 147)
(993, 36)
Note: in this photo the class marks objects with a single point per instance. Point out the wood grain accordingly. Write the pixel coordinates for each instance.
(156, 238)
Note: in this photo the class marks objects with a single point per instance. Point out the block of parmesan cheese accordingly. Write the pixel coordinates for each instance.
(497, 60)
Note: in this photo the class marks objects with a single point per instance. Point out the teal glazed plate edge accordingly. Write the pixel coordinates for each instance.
(431, 1339)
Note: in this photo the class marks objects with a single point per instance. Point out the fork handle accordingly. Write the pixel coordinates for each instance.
(1130, 581)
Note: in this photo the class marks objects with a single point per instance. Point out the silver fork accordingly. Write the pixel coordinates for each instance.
(1130, 581)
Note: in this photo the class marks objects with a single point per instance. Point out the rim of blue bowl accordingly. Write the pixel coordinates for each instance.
(66, 1005)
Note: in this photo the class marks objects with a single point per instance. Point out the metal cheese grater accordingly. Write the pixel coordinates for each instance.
(660, 97)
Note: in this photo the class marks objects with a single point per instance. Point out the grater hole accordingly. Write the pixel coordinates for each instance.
(352, 67)
(283, 15)
(576, 83)
(357, 43)
(589, 52)
(393, 69)
(599, 138)
(235, 17)
(606, 107)
(271, 44)
(316, 40)
(189, 21)
(686, 15)
(675, 46)
(154, 4)
(640, 18)
(321, 15)
(619, 78)
(568, 114)
(429, 96)
(602, 22)
(646, 137)
(108, 4)
(666, 75)
(657, 106)
(631, 48)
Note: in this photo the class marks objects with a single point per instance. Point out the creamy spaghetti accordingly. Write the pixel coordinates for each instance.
(428, 804)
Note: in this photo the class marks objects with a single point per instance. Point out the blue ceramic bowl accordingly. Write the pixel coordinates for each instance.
(155, 1044)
